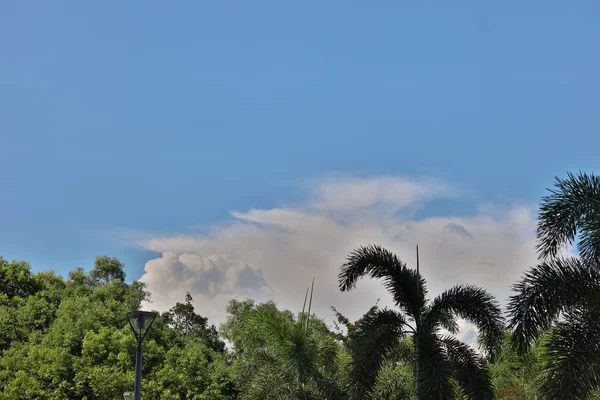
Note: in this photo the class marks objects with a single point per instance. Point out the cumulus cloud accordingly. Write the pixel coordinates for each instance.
(274, 253)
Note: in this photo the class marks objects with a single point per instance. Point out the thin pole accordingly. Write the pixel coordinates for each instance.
(137, 389)
(418, 274)
(312, 287)
(418, 333)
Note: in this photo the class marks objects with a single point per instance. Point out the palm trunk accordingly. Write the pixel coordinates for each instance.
(418, 336)
(418, 369)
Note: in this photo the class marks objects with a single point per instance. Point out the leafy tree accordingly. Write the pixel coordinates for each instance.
(184, 320)
(274, 347)
(104, 369)
(395, 381)
(107, 268)
(16, 279)
(342, 320)
(194, 371)
(28, 302)
(561, 293)
(70, 340)
(516, 376)
(233, 328)
(444, 365)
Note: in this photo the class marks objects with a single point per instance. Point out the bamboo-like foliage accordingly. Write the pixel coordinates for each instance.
(297, 358)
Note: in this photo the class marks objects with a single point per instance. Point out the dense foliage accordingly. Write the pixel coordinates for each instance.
(69, 339)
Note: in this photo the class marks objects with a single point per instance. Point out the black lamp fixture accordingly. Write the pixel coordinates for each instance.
(140, 322)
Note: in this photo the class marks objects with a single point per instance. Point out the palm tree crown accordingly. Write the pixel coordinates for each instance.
(572, 208)
(562, 294)
(442, 361)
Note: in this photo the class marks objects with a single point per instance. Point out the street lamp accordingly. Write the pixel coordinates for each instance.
(140, 322)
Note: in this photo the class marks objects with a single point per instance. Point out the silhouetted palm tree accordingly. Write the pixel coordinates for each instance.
(443, 363)
(563, 293)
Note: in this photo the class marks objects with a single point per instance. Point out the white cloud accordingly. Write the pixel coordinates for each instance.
(274, 253)
(351, 194)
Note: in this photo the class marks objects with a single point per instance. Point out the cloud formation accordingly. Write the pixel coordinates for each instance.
(274, 253)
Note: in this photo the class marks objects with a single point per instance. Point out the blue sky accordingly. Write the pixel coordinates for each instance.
(153, 119)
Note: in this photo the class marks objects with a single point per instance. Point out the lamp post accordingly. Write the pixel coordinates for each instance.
(140, 322)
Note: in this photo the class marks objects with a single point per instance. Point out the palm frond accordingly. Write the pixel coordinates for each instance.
(404, 351)
(266, 385)
(434, 376)
(544, 293)
(572, 370)
(268, 321)
(304, 358)
(469, 369)
(258, 373)
(474, 305)
(376, 335)
(300, 352)
(328, 350)
(573, 204)
(589, 240)
(395, 381)
(252, 362)
(379, 263)
(328, 388)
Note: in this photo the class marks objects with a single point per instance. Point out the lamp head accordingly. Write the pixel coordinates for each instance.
(140, 322)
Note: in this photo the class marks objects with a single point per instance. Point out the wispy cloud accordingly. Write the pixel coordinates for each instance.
(274, 253)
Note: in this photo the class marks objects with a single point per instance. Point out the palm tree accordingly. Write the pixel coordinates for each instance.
(290, 359)
(443, 363)
(562, 294)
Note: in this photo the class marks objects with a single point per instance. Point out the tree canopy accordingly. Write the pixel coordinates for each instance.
(69, 339)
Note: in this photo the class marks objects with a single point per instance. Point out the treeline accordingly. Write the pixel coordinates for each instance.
(69, 339)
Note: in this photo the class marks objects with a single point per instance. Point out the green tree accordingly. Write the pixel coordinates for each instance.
(562, 293)
(104, 369)
(71, 340)
(16, 279)
(232, 330)
(193, 371)
(185, 321)
(107, 268)
(281, 357)
(443, 363)
(516, 376)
